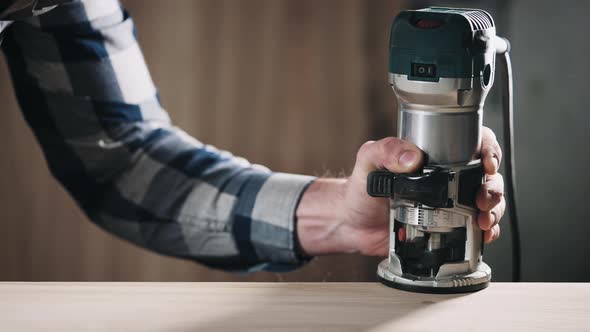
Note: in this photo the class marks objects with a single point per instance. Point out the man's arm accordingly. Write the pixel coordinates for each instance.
(85, 90)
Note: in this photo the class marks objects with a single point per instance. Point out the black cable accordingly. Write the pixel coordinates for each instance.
(508, 123)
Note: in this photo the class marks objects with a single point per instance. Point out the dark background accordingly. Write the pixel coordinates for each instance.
(299, 85)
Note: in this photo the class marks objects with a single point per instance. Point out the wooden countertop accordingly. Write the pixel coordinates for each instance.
(288, 307)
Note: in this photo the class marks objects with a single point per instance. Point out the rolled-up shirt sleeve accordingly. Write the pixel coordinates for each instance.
(86, 92)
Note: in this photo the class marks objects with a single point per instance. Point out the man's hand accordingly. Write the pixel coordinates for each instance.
(337, 215)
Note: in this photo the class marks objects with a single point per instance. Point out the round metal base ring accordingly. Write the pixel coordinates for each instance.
(433, 290)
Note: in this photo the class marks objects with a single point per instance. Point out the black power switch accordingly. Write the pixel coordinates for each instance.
(423, 70)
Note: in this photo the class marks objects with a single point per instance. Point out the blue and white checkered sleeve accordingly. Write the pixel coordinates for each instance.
(86, 92)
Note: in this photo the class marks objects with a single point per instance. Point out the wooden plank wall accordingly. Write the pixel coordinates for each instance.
(296, 85)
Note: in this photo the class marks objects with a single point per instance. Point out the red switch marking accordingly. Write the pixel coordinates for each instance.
(401, 234)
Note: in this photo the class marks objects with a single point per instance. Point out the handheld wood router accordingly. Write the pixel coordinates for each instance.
(441, 68)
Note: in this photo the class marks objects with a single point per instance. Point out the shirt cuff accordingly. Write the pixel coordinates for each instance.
(273, 229)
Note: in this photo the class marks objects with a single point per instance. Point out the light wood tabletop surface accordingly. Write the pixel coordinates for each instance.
(288, 307)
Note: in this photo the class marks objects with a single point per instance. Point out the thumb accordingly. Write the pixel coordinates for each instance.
(391, 153)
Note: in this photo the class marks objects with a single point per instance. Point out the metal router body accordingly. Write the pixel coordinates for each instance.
(448, 130)
(441, 92)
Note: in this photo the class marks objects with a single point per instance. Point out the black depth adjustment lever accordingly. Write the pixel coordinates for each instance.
(428, 188)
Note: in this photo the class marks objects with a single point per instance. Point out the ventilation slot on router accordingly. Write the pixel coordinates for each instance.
(479, 20)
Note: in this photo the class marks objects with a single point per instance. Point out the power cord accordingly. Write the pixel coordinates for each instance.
(508, 126)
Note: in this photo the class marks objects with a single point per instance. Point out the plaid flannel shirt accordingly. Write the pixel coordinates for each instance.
(85, 90)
